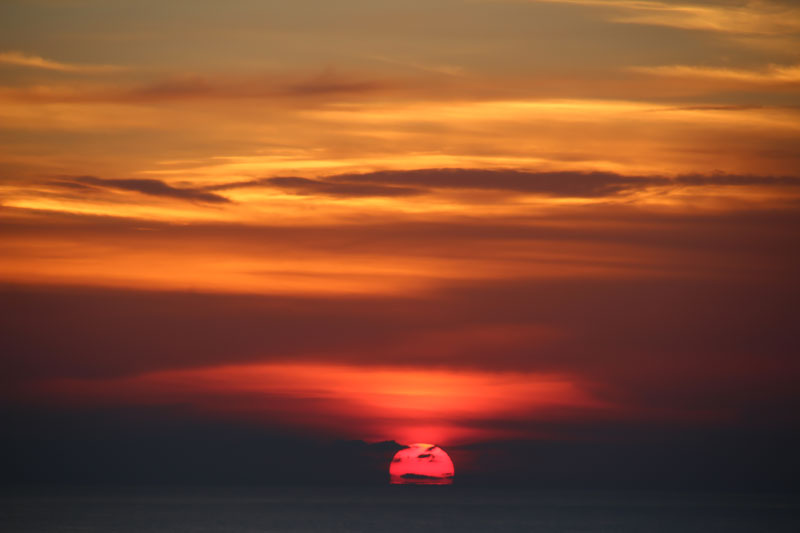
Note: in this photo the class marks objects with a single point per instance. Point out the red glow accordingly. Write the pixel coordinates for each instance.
(381, 403)
(421, 464)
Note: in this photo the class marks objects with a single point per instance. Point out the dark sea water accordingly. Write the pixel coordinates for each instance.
(389, 509)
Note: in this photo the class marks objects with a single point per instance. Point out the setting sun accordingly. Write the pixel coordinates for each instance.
(421, 464)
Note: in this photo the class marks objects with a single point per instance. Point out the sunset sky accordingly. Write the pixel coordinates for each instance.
(486, 224)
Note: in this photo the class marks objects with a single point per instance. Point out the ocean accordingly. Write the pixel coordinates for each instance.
(388, 509)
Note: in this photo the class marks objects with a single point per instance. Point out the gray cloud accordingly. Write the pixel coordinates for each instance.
(554, 184)
(150, 187)
(326, 187)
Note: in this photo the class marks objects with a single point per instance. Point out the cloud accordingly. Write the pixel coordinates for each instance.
(675, 350)
(696, 231)
(145, 446)
(773, 74)
(563, 184)
(327, 84)
(275, 86)
(150, 187)
(446, 70)
(283, 392)
(323, 187)
(553, 184)
(708, 337)
(332, 83)
(753, 17)
(522, 320)
(26, 60)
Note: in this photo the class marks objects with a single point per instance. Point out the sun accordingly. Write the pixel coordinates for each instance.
(421, 464)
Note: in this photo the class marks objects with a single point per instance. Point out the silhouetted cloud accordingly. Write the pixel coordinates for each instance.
(150, 187)
(153, 445)
(568, 184)
(553, 184)
(308, 186)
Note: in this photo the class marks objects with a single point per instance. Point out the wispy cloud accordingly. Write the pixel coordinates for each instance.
(753, 17)
(555, 184)
(464, 182)
(350, 393)
(33, 61)
(770, 75)
(306, 186)
(446, 70)
(189, 86)
(149, 187)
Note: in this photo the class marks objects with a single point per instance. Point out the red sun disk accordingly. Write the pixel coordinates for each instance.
(421, 464)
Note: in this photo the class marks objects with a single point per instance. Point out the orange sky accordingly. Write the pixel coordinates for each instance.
(444, 221)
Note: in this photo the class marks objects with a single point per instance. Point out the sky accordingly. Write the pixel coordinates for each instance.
(555, 237)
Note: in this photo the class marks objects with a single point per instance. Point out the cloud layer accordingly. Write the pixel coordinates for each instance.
(145, 186)
(20, 59)
(559, 237)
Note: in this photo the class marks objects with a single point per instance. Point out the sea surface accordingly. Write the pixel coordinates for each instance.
(388, 509)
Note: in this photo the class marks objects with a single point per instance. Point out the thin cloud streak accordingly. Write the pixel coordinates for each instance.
(20, 59)
(186, 87)
(151, 187)
(378, 252)
(325, 187)
(551, 184)
(773, 74)
(754, 17)
(446, 194)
